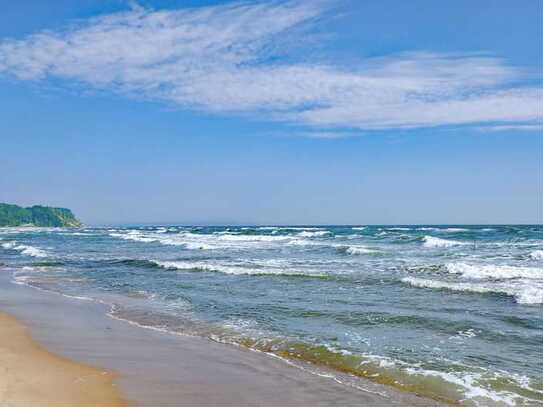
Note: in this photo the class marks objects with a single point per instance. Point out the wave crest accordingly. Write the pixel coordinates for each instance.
(248, 269)
(522, 292)
(432, 242)
(491, 271)
(25, 249)
(357, 250)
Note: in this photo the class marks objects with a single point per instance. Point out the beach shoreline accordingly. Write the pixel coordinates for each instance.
(159, 369)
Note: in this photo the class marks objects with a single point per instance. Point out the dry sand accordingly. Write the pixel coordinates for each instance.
(31, 376)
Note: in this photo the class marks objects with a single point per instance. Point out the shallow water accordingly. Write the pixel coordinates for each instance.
(451, 312)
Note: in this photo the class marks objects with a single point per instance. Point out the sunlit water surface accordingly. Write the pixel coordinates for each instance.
(451, 312)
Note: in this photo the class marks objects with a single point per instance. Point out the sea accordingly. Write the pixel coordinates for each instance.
(450, 312)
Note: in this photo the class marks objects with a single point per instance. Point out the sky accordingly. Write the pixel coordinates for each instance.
(274, 112)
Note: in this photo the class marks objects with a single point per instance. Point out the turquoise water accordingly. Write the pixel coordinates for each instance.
(450, 312)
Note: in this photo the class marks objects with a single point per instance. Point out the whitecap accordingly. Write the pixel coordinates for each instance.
(25, 249)
(537, 255)
(430, 241)
(168, 240)
(356, 250)
(523, 292)
(241, 269)
(303, 242)
(287, 228)
(251, 238)
(319, 233)
(491, 271)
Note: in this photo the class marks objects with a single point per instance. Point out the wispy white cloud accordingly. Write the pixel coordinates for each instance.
(219, 59)
(513, 127)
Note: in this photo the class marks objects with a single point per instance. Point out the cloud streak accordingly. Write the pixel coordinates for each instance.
(236, 59)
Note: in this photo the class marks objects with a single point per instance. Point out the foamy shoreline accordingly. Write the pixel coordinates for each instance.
(158, 369)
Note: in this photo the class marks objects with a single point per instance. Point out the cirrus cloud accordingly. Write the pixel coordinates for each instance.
(236, 59)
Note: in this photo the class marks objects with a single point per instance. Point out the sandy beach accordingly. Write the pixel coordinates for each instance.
(154, 368)
(32, 376)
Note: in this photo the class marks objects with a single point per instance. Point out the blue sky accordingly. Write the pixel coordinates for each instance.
(274, 112)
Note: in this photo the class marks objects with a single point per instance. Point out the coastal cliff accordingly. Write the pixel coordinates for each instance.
(14, 215)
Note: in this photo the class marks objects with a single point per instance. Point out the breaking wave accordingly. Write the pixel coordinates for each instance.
(319, 233)
(523, 292)
(25, 249)
(249, 269)
(491, 271)
(173, 240)
(195, 241)
(430, 241)
(357, 250)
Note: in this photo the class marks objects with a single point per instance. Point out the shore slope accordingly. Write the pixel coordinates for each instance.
(31, 376)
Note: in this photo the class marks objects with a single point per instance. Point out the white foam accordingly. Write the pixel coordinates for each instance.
(468, 333)
(241, 269)
(522, 291)
(470, 382)
(204, 241)
(168, 240)
(444, 230)
(491, 271)
(359, 228)
(285, 228)
(319, 233)
(303, 242)
(454, 230)
(9, 245)
(472, 390)
(537, 255)
(27, 229)
(252, 238)
(430, 241)
(356, 250)
(133, 236)
(25, 249)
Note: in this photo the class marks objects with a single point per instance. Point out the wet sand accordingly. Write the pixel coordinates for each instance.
(157, 369)
(31, 376)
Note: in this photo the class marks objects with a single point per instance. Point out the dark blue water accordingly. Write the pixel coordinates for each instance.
(451, 312)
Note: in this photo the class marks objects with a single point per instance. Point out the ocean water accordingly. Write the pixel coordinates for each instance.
(450, 312)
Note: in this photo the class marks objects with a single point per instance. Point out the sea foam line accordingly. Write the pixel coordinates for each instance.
(250, 269)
